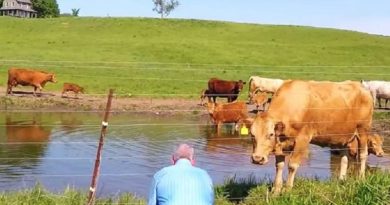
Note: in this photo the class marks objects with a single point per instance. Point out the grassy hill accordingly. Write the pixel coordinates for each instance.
(159, 57)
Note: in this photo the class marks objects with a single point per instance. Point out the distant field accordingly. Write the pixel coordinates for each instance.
(166, 58)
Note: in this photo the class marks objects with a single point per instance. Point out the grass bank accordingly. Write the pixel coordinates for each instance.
(175, 58)
(375, 190)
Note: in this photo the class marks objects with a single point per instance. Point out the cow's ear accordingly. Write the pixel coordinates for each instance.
(279, 128)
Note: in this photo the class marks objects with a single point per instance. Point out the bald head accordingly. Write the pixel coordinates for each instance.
(184, 151)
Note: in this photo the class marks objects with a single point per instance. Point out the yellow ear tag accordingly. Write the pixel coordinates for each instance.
(244, 130)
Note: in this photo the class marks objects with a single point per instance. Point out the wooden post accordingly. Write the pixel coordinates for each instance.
(92, 188)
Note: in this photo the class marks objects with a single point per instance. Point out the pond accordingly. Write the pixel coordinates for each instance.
(59, 149)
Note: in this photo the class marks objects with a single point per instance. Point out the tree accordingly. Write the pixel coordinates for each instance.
(164, 7)
(1, 3)
(46, 8)
(75, 12)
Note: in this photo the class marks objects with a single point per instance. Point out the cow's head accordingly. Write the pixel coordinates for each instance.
(375, 143)
(264, 131)
(239, 85)
(52, 78)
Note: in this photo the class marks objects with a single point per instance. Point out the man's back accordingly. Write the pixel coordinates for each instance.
(181, 184)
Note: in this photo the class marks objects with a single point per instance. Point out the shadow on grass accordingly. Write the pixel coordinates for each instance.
(235, 189)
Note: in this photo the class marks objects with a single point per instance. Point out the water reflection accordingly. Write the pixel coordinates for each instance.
(35, 146)
(23, 145)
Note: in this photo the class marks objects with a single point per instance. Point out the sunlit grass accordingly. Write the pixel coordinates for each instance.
(139, 57)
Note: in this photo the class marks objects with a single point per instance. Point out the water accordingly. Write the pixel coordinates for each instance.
(58, 149)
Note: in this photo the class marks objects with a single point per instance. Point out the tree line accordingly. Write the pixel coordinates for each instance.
(49, 8)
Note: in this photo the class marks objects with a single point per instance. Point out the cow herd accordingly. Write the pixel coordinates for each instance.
(38, 80)
(329, 114)
(295, 113)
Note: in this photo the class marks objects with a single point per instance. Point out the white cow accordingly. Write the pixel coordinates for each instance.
(379, 90)
(267, 85)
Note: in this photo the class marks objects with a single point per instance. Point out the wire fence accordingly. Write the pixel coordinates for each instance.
(183, 67)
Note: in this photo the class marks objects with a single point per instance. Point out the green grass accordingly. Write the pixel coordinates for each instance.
(373, 190)
(159, 57)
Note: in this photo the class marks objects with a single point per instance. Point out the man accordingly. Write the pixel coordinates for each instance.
(182, 183)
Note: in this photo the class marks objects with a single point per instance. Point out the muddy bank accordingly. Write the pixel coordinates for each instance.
(25, 101)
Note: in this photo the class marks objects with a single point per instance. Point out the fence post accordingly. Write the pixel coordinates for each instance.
(92, 188)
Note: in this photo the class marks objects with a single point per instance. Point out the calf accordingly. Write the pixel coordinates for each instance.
(226, 113)
(25, 77)
(72, 87)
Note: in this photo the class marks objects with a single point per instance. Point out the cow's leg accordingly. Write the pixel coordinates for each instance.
(35, 90)
(379, 102)
(363, 150)
(9, 89)
(219, 126)
(344, 164)
(374, 97)
(300, 149)
(215, 99)
(278, 183)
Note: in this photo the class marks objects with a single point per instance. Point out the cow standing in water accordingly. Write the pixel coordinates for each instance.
(322, 113)
(224, 89)
(25, 77)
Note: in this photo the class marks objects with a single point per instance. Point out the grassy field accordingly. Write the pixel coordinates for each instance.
(157, 57)
(374, 190)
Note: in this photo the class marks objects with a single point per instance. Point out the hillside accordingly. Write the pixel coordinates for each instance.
(157, 57)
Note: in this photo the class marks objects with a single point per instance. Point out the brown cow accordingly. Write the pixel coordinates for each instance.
(322, 113)
(226, 113)
(25, 77)
(25, 132)
(224, 89)
(72, 87)
(375, 143)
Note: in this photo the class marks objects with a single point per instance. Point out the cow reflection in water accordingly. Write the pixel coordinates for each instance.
(225, 142)
(23, 146)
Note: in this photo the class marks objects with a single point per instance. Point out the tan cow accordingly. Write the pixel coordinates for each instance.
(25, 77)
(72, 87)
(322, 113)
(226, 112)
(375, 143)
(260, 99)
(259, 84)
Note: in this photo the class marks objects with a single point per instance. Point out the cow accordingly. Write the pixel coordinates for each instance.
(379, 90)
(226, 113)
(322, 113)
(259, 84)
(375, 143)
(260, 99)
(24, 77)
(224, 89)
(71, 87)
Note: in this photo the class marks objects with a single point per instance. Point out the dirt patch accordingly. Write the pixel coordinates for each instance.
(25, 101)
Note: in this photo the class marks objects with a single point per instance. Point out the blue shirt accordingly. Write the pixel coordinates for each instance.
(181, 184)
